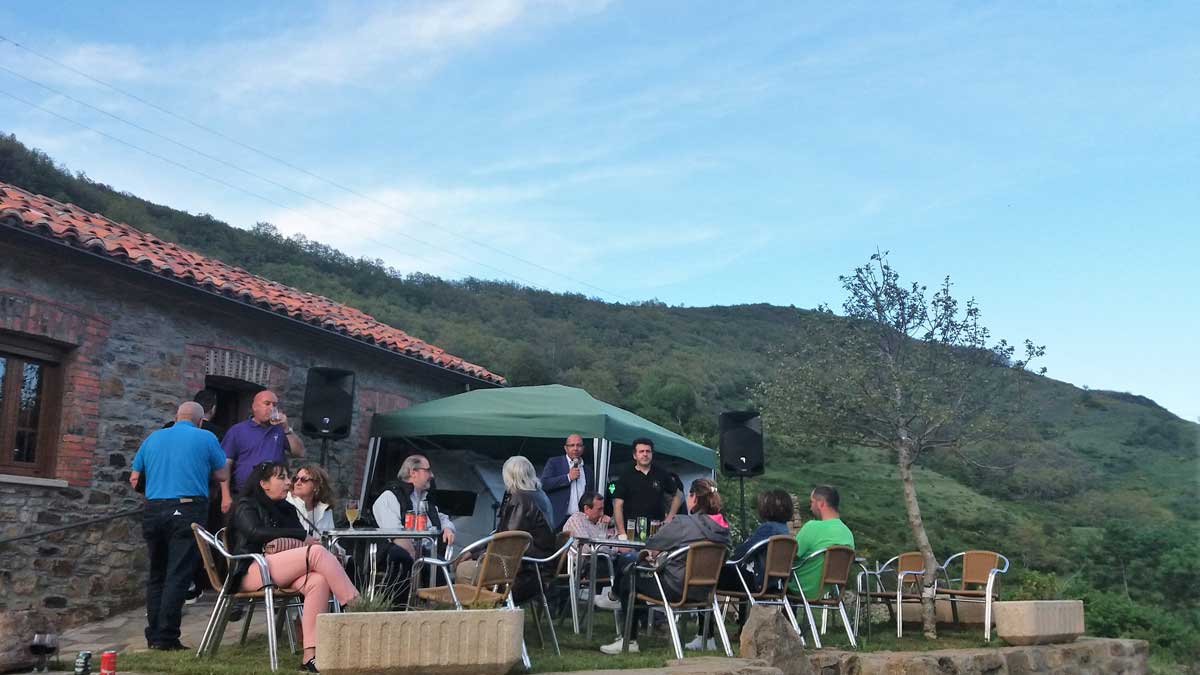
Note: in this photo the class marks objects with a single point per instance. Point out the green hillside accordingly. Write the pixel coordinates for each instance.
(1101, 500)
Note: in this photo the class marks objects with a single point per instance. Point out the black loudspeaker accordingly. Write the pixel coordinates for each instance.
(741, 443)
(328, 403)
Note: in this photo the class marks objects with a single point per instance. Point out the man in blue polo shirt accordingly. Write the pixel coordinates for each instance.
(178, 463)
(265, 437)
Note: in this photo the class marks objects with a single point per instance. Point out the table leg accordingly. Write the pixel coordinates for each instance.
(373, 563)
(591, 601)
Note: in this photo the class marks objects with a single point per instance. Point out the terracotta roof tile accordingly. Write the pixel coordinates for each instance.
(126, 244)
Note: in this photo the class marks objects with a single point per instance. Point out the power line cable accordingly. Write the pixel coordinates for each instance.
(335, 184)
(242, 170)
(250, 193)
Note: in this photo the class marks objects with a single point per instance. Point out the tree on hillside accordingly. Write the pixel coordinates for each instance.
(902, 372)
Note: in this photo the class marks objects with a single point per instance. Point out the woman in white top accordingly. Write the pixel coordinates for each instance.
(312, 495)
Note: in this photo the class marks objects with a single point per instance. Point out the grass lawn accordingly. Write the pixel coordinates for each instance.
(577, 653)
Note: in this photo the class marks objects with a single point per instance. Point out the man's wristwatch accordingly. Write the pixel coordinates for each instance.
(288, 432)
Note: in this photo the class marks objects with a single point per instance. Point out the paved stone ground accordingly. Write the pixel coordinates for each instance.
(125, 631)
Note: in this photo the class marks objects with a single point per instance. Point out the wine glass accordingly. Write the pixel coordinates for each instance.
(43, 646)
(351, 511)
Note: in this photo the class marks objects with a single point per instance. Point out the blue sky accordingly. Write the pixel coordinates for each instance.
(1045, 157)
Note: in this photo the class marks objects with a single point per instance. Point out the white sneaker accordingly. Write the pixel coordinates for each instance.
(616, 646)
(602, 601)
(698, 643)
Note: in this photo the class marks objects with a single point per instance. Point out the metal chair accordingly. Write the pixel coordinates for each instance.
(500, 556)
(777, 554)
(979, 568)
(835, 572)
(269, 594)
(570, 573)
(897, 570)
(558, 558)
(702, 569)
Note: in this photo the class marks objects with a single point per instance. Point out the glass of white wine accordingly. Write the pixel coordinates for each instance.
(351, 511)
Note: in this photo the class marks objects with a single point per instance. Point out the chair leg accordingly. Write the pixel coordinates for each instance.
(524, 652)
(246, 625)
(824, 620)
(899, 617)
(213, 620)
(791, 615)
(674, 628)
(812, 624)
(222, 624)
(846, 623)
(987, 619)
(720, 629)
(550, 620)
(537, 622)
(289, 623)
(269, 606)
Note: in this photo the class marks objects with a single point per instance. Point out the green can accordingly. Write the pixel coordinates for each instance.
(643, 528)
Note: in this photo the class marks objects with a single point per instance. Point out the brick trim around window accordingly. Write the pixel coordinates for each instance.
(77, 337)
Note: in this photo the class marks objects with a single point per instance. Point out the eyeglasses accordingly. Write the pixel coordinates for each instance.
(302, 479)
(422, 468)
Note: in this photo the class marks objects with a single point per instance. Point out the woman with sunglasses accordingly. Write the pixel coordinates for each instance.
(261, 516)
(312, 495)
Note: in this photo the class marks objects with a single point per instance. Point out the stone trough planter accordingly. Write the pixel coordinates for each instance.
(1038, 622)
(435, 642)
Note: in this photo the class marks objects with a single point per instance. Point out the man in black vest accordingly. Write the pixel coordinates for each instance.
(400, 498)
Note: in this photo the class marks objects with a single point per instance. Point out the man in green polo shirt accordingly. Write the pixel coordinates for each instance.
(826, 530)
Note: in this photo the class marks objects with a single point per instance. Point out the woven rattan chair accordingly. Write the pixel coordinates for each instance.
(499, 557)
(897, 580)
(979, 569)
(702, 568)
(777, 554)
(276, 600)
(835, 571)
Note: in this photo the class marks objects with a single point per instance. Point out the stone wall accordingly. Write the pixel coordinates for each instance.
(137, 347)
(1086, 655)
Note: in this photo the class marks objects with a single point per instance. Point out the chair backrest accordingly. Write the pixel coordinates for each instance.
(777, 562)
(836, 567)
(206, 542)
(501, 560)
(977, 565)
(560, 570)
(702, 568)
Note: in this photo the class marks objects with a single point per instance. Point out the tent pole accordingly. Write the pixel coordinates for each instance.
(596, 465)
(368, 467)
(602, 465)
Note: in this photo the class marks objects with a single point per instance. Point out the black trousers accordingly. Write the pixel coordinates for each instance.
(167, 528)
(396, 579)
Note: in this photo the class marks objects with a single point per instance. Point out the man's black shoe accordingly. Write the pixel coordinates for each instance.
(236, 614)
(169, 646)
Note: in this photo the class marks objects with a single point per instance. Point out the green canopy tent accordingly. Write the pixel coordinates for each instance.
(526, 420)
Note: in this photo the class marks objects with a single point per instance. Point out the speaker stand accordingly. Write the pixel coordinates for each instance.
(324, 450)
(742, 505)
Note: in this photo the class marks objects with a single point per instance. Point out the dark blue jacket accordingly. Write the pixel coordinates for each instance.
(558, 488)
(764, 531)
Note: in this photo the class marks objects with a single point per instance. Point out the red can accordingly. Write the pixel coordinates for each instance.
(108, 663)
(410, 521)
(422, 522)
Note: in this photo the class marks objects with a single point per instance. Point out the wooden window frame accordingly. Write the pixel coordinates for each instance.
(23, 350)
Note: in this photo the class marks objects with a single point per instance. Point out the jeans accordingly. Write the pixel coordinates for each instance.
(167, 528)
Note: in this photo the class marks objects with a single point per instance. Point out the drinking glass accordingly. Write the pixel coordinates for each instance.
(43, 646)
(351, 511)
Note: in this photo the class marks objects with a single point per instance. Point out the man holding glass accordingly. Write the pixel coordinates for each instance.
(265, 437)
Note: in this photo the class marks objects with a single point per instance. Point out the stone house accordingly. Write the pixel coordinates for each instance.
(104, 330)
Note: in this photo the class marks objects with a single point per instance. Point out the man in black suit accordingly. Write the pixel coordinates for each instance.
(565, 479)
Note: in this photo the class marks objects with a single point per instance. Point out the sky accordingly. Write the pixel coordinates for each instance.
(1043, 155)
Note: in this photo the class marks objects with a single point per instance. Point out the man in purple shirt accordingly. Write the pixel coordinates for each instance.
(265, 437)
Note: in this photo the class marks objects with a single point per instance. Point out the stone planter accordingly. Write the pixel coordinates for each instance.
(436, 642)
(1038, 622)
